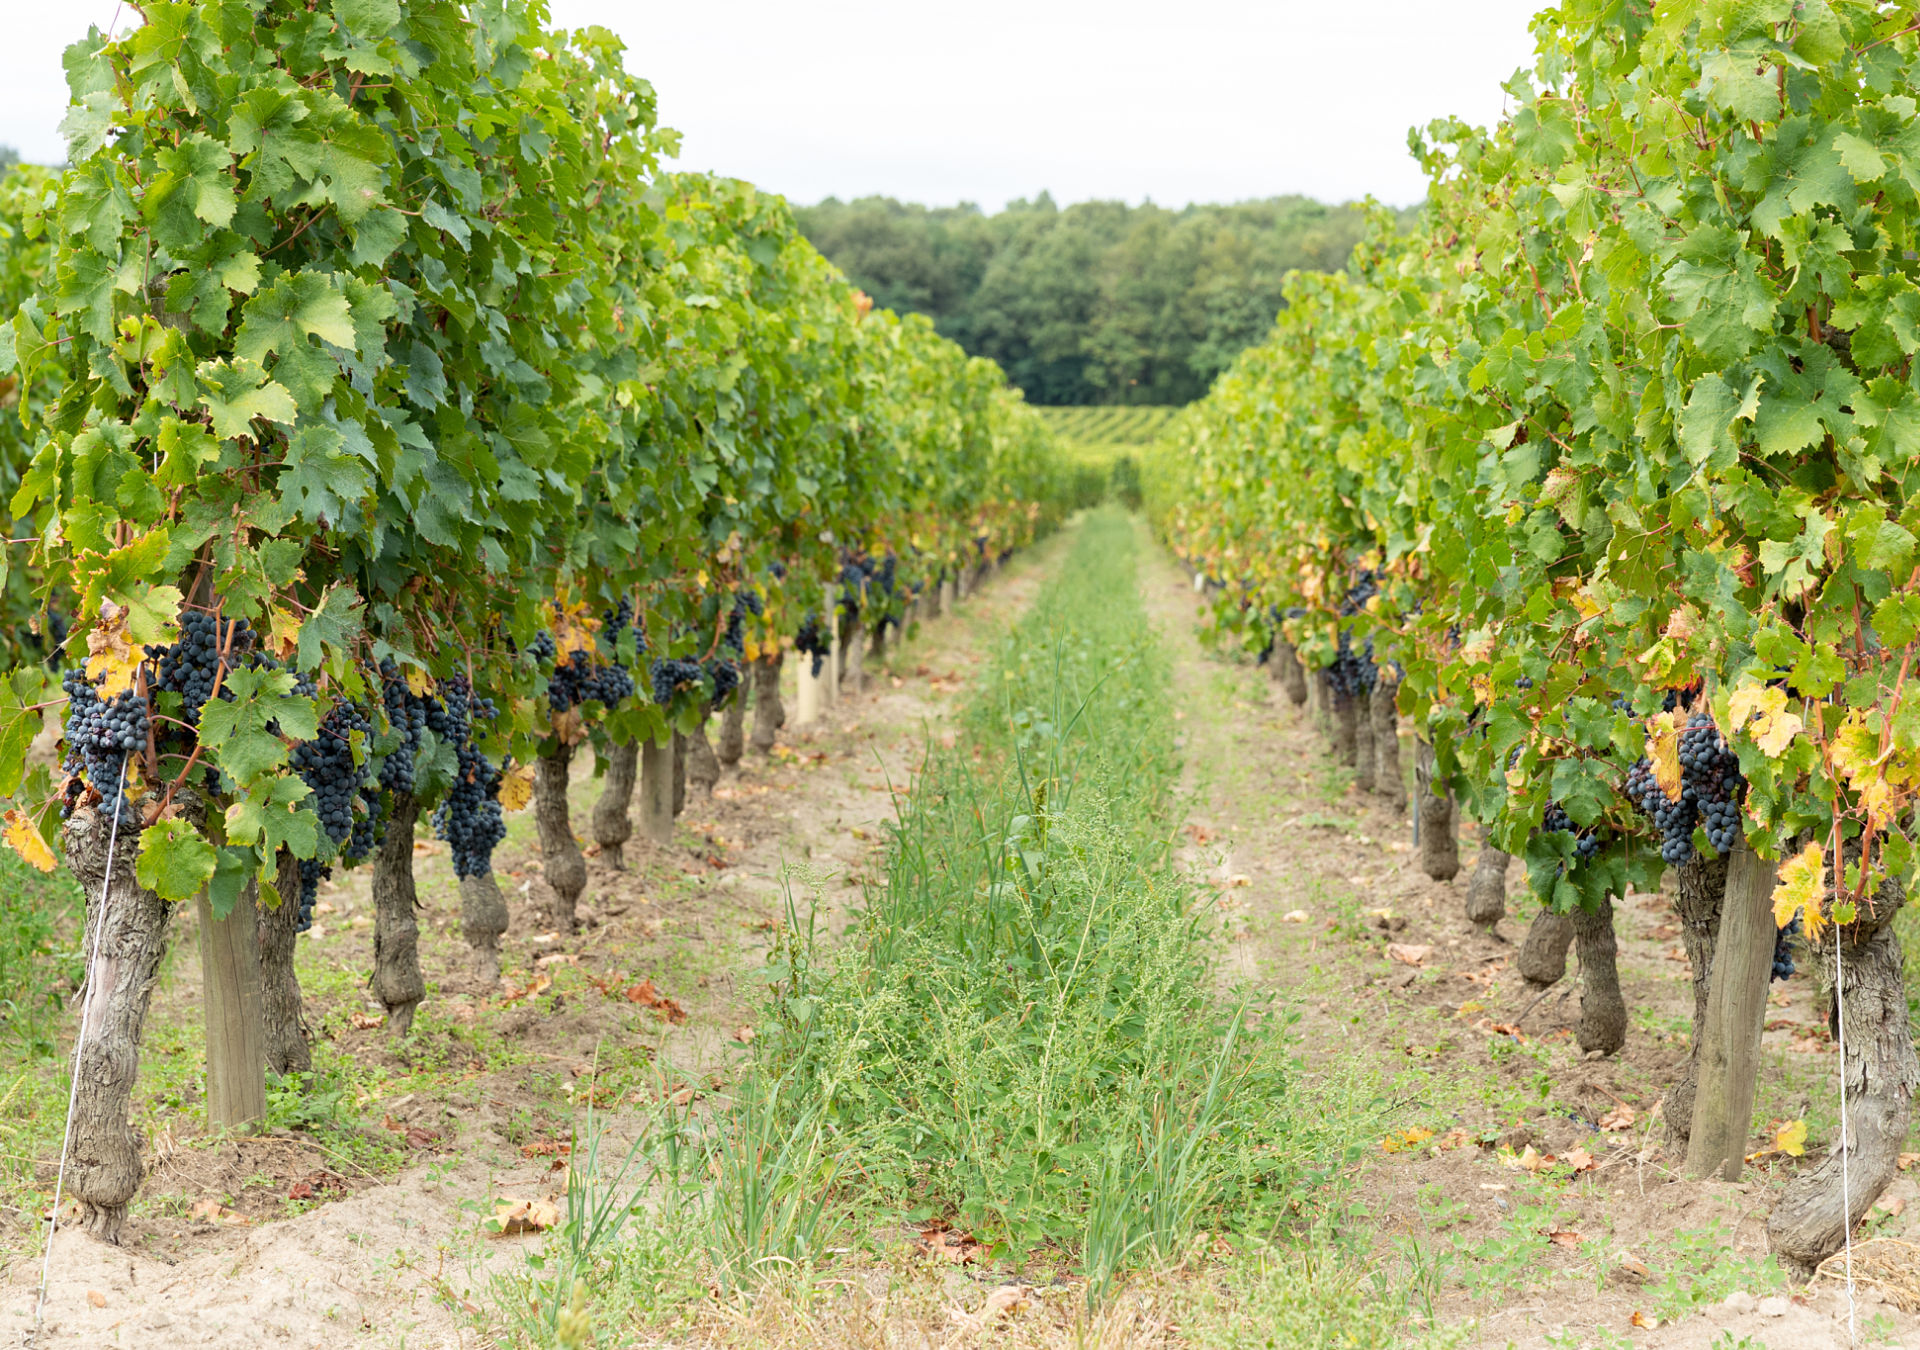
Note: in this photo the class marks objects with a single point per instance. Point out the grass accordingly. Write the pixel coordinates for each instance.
(1022, 1039)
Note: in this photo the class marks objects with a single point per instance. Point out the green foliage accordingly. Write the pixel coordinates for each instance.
(1632, 413)
(1098, 303)
(1021, 1031)
(373, 323)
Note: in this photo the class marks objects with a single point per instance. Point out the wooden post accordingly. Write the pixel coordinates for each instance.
(1736, 1015)
(832, 672)
(235, 1014)
(813, 690)
(949, 595)
(656, 790)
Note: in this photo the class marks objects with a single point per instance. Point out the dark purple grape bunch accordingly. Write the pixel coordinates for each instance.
(101, 734)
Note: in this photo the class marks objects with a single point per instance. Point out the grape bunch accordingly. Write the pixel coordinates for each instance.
(325, 764)
(746, 604)
(407, 715)
(1674, 819)
(1783, 949)
(1586, 843)
(1711, 772)
(810, 641)
(190, 665)
(100, 735)
(671, 676)
(1352, 673)
(470, 819)
(854, 573)
(312, 872)
(1711, 787)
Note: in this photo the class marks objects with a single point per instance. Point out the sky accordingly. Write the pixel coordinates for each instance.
(992, 100)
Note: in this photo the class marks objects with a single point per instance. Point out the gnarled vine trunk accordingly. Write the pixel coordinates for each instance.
(769, 714)
(483, 920)
(1363, 759)
(130, 938)
(612, 825)
(1289, 672)
(853, 675)
(397, 980)
(1439, 833)
(1542, 961)
(561, 860)
(1387, 778)
(1346, 728)
(282, 1010)
(733, 730)
(1881, 1072)
(1700, 891)
(1602, 1028)
(703, 767)
(1487, 887)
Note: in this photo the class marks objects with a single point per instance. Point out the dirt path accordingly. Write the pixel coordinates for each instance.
(1457, 1195)
(479, 1102)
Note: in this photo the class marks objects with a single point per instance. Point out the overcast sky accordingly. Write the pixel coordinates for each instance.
(1207, 100)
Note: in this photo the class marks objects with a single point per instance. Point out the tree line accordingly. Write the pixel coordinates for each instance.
(1098, 302)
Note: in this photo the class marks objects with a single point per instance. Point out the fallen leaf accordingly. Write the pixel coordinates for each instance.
(1294, 916)
(1563, 1237)
(1645, 1320)
(647, 996)
(1007, 1298)
(362, 1021)
(513, 993)
(936, 1238)
(416, 1137)
(1238, 879)
(1578, 1159)
(1454, 1138)
(96, 1298)
(523, 1216)
(1405, 1139)
(1529, 1161)
(1891, 1204)
(210, 1210)
(1632, 1269)
(1620, 1118)
(1409, 953)
(744, 1035)
(546, 1148)
(1908, 1160)
(1791, 1138)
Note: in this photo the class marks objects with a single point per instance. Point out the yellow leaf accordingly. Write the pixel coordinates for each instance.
(516, 789)
(419, 683)
(284, 634)
(1773, 726)
(1792, 1138)
(111, 653)
(1663, 752)
(1855, 747)
(26, 841)
(1802, 883)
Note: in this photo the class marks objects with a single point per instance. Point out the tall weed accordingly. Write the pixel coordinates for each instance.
(1021, 1031)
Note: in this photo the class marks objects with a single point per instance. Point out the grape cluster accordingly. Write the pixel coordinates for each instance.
(1353, 674)
(810, 641)
(1711, 787)
(1711, 772)
(100, 735)
(407, 715)
(1586, 843)
(470, 819)
(325, 764)
(190, 666)
(671, 676)
(1783, 949)
(854, 572)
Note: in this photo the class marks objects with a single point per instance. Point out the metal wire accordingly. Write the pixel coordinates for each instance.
(90, 949)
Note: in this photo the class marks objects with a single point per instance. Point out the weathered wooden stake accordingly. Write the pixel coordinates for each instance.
(1729, 1056)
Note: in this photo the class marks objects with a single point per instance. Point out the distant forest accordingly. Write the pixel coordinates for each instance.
(1097, 303)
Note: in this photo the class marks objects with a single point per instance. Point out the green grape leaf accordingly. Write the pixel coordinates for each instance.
(175, 863)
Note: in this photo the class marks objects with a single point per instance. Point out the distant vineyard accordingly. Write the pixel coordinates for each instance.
(1107, 426)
